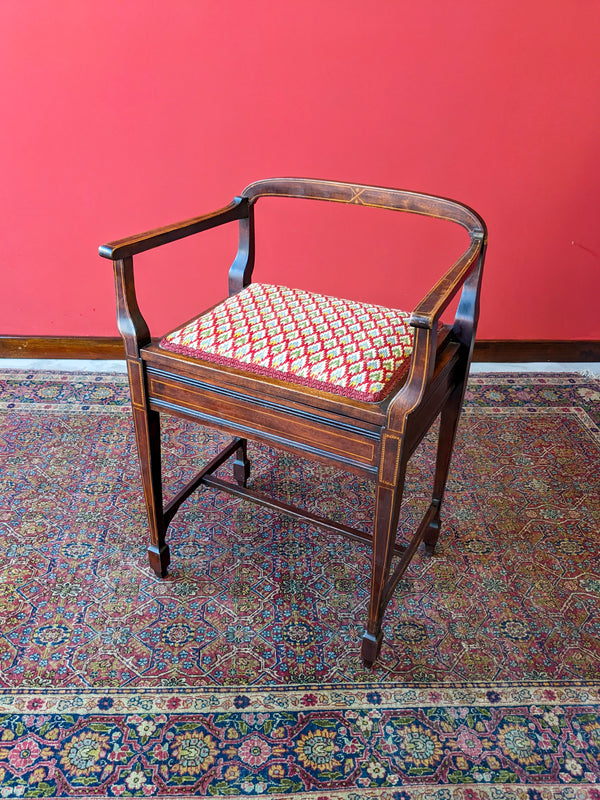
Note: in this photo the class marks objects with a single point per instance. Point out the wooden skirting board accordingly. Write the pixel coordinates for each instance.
(111, 347)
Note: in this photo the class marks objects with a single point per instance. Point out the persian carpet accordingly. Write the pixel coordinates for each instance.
(238, 675)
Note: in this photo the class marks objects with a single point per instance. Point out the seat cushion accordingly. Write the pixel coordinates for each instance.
(353, 349)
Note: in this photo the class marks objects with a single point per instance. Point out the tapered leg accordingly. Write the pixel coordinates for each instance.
(387, 509)
(449, 419)
(242, 464)
(147, 431)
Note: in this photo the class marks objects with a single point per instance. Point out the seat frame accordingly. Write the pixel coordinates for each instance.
(375, 440)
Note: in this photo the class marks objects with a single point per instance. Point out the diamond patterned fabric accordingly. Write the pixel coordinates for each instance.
(354, 349)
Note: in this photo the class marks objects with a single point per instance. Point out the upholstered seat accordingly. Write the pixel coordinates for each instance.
(342, 346)
(349, 384)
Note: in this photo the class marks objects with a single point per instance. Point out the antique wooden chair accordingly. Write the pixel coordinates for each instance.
(349, 384)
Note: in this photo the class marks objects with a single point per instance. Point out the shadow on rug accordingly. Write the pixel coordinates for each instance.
(239, 674)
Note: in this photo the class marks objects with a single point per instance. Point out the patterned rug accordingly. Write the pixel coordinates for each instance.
(238, 675)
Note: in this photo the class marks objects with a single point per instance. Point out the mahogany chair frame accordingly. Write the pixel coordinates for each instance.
(375, 440)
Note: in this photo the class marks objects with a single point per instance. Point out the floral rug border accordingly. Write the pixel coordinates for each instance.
(371, 741)
(156, 700)
(349, 743)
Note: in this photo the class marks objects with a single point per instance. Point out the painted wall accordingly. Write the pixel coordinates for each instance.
(121, 115)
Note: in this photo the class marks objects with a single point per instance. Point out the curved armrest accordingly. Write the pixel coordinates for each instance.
(125, 248)
(429, 310)
(465, 274)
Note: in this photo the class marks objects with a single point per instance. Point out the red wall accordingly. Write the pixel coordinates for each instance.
(121, 115)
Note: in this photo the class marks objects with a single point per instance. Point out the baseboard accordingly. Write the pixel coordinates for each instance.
(111, 347)
(527, 350)
(86, 347)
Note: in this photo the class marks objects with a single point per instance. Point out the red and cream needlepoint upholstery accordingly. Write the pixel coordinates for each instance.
(353, 349)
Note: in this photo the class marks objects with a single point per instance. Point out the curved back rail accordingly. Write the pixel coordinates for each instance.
(428, 311)
(363, 195)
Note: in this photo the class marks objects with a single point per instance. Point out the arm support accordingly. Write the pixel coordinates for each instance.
(132, 325)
